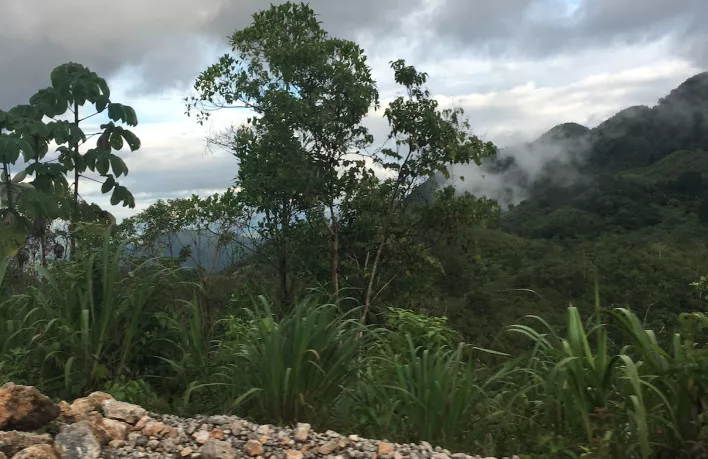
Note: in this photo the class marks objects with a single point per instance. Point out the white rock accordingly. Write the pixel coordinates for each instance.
(302, 431)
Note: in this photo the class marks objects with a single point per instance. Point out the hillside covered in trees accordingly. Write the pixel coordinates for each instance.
(625, 203)
(360, 286)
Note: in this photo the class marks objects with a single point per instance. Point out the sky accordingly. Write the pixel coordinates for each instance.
(517, 67)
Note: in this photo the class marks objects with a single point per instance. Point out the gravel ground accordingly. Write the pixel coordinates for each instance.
(231, 437)
(100, 427)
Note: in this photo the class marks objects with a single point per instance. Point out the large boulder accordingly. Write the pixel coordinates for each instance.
(77, 441)
(25, 408)
(13, 442)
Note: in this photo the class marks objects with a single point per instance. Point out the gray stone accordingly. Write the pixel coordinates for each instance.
(77, 441)
(217, 449)
(219, 420)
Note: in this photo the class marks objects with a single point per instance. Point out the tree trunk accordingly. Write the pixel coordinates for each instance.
(283, 264)
(75, 217)
(374, 272)
(8, 186)
(334, 262)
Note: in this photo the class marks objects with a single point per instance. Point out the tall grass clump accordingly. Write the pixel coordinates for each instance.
(294, 369)
(87, 322)
(433, 394)
(601, 398)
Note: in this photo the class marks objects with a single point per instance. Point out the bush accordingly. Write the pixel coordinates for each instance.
(294, 369)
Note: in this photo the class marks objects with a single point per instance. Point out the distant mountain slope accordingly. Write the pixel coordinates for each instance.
(200, 249)
(624, 203)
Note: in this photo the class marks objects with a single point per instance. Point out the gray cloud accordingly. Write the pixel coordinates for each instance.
(541, 28)
(165, 39)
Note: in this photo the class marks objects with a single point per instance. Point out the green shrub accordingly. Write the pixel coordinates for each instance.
(295, 368)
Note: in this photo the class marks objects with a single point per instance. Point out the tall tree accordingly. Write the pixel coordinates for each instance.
(73, 87)
(427, 141)
(310, 92)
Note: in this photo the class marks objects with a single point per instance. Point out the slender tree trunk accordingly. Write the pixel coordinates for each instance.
(374, 272)
(8, 185)
(334, 262)
(42, 235)
(75, 217)
(283, 262)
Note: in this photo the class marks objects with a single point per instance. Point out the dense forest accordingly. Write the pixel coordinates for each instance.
(341, 272)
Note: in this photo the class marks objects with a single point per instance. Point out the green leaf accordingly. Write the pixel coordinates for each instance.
(108, 184)
(116, 112)
(117, 194)
(132, 140)
(118, 166)
(103, 164)
(116, 140)
(131, 118)
(101, 103)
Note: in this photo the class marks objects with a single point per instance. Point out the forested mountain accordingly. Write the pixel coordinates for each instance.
(625, 203)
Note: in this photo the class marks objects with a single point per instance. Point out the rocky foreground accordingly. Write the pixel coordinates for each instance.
(98, 426)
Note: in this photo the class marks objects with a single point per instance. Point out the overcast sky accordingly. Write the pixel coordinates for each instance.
(518, 67)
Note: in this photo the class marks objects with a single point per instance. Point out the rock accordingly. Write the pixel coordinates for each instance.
(153, 444)
(142, 422)
(37, 452)
(153, 428)
(254, 448)
(97, 398)
(133, 438)
(115, 444)
(292, 454)
(440, 456)
(77, 441)
(219, 420)
(216, 449)
(385, 448)
(95, 419)
(66, 414)
(286, 441)
(13, 442)
(236, 427)
(82, 406)
(201, 436)
(354, 438)
(25, 408)
(116, 430)
(302, 431)
(328, 448)
(122, 411)
(186, 452)
(426, 446)
(263, 430)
